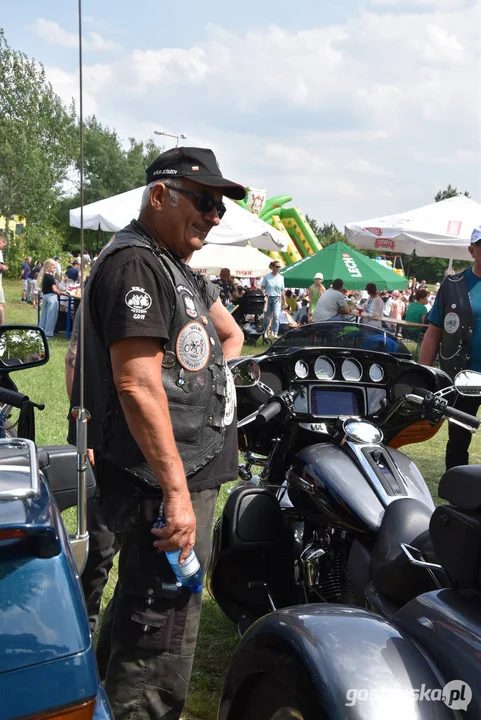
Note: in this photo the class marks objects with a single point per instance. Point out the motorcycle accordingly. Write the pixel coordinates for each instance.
(47, 659)
(355, 597)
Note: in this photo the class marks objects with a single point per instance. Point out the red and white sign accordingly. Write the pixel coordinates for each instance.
(454, 228)
(384, 243)
(374, 231)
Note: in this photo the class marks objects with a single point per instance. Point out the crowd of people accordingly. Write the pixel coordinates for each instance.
(285, 308)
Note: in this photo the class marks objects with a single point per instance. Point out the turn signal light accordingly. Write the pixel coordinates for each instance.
(12, 534)
(84, 711)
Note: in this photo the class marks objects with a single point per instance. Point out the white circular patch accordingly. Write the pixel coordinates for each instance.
(451, 323)
(138, 301)
(230, 397)
(192, 347)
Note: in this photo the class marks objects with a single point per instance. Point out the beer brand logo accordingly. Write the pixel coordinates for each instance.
(374, 231)
(384, 243)
(351, 265)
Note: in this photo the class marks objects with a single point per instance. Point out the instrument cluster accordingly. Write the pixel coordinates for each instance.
(347, 369)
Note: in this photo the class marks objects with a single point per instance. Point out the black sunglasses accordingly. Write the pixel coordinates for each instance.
(204, 202)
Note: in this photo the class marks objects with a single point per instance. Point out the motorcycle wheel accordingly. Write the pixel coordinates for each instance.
(271, 699)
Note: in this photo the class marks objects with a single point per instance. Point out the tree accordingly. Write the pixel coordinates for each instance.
(37, 137)
(327, 233)
(449, 192)
(109, 169)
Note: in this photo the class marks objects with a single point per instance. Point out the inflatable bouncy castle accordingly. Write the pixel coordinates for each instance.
(302, 241)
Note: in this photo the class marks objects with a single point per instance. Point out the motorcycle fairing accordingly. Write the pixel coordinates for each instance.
(341, 650)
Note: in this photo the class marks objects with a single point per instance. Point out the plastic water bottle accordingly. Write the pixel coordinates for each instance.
(189, 573)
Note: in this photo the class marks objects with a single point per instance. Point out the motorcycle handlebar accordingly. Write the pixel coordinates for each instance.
(13, 398)
(447, 411)
(463, 417)
(268, 412)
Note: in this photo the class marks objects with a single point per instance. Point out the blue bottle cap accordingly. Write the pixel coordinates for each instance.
(196, 588)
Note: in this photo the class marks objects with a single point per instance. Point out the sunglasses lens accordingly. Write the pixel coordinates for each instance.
(206, 203)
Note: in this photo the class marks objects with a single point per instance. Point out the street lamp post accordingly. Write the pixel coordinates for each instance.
(177, 137)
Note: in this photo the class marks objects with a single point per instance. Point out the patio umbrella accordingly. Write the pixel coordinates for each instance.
(241, 261)
(341, 261)
(237, 227)
(440, 230)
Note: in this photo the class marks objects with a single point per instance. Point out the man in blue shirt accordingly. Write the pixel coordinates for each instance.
(72, 272)
(273, 286)
(443, 320)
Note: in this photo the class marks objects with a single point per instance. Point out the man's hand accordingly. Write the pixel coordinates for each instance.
(179, 531)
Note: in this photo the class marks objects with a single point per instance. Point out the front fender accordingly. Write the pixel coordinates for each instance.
(343, 651)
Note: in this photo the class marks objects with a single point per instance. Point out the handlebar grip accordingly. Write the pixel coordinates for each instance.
(422, 392)
(268, 412)
(11, 397)
(463, 417)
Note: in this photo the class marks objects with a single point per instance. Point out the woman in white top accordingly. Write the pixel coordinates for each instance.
(374, 307)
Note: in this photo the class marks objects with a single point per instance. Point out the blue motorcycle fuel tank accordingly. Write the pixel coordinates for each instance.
(353, 488)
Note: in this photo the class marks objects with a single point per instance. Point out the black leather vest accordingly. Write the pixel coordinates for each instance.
(193, 369)
(453, 298)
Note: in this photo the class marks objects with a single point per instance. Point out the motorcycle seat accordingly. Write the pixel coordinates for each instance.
(404, 521)
(461, 486)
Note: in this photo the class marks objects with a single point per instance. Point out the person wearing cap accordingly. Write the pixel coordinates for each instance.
(273, 286)
(314, 293)
(162, 401)
(454, 331)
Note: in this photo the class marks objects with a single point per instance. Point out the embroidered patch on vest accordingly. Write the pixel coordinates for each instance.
(189, 305)
(230, 398)
(192, 347)
(451, 322)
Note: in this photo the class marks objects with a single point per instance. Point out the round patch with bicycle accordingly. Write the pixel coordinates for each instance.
(192, 347)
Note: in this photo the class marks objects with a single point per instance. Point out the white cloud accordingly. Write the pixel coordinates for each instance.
(354, 120)
(51, 31)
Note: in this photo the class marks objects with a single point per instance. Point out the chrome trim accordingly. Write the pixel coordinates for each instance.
(34, 472)
(374, 480)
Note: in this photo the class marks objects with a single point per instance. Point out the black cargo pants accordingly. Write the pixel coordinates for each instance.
(457, 448)
(149, 632)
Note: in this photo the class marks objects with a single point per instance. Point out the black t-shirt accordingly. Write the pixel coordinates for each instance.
(123, 275)
(47, 284)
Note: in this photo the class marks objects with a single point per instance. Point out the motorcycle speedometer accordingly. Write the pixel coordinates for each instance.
(351, 370)
(324, 369)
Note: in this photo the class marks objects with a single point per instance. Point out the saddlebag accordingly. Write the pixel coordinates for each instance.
(250, 549)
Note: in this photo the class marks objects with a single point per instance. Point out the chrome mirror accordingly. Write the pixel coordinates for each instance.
(22, 347)
(468, 382)
(246, 373)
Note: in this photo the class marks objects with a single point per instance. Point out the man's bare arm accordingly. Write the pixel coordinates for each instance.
(430, 345)
(230, 334)
(137, 371)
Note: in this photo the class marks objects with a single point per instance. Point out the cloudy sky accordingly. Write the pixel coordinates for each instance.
(357, 108)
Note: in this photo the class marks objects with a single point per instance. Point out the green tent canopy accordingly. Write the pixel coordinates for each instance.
(341, 261)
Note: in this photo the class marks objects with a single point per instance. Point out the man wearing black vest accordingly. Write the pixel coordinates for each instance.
(156, 343)
(455, 331)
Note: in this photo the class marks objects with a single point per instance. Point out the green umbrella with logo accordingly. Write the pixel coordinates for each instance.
(341, 261)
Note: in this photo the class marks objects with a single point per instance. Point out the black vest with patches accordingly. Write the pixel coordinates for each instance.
(458, 323)
(193, 369)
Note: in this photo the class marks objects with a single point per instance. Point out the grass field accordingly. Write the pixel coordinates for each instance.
(217, 638)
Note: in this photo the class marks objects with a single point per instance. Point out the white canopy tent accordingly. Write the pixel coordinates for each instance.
(237, 227)
(241, 261)
(441, 230)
